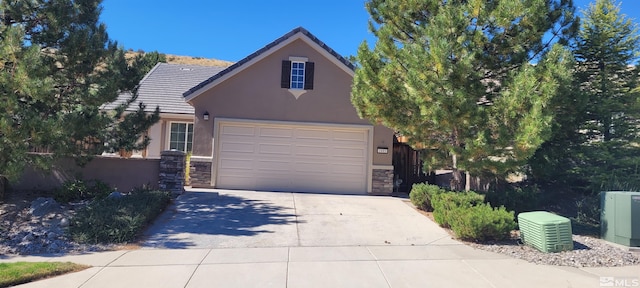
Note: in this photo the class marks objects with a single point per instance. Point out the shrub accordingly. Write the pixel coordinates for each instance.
(481, 222)
(71, 190)
(518, 199)
(74, 190)
(445, 203)
(421, 195)
(588, 210)
(117, 220)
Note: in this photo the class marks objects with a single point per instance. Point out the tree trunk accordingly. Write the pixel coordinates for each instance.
(467, 181)
(455, 183)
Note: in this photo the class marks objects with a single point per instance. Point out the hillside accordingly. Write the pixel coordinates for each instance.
(176, 59)
(188, 60)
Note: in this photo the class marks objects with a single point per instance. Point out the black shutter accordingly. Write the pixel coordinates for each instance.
(308, 75)
(285, 80)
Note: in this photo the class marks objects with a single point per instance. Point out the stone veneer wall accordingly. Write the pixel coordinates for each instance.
(200, 174)
(172, 166)
(382, 182)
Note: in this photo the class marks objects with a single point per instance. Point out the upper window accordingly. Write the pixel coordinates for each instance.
(181, 137)
(297, 75)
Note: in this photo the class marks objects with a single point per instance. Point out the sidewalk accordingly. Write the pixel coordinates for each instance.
(445, 263)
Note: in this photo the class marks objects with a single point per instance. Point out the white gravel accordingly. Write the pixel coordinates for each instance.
(587, 252)
(42, 233)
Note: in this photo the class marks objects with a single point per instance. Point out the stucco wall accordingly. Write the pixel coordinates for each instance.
(159, 133)
(255, 93)
(120, 173)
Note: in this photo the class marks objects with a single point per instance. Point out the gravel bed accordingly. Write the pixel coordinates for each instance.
(587, 252)
(40, 229)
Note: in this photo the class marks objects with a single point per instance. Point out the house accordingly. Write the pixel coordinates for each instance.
(163, 86)
(281, 119)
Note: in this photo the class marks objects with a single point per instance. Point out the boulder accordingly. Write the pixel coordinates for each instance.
(43, 206)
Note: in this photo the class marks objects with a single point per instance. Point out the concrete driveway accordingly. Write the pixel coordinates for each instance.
(264, 239)
(203, 218)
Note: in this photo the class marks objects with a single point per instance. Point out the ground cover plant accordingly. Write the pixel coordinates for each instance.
(118, 219)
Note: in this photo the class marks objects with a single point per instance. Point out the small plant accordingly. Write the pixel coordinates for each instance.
(445, 203)
(71, 190)
(74, 190)
(187, 169)
(421, 195)
(117, 220)
(482, 222)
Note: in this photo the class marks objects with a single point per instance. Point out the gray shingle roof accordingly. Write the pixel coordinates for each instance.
(267, 47)
(164, 85)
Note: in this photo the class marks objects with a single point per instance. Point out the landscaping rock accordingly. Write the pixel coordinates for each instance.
(44, 206)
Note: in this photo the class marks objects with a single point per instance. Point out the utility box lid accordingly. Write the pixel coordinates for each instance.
(545, 231)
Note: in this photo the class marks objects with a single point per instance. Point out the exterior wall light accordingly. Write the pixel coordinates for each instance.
(205, 116)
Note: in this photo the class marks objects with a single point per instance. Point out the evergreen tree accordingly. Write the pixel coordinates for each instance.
(457, 78)
(602, 150)
(57, 68)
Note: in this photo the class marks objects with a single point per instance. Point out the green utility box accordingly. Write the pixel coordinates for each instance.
(545, 231)
(620, 217)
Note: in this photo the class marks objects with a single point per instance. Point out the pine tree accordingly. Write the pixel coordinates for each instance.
(595, 147)
(57, 68)
(457, 78)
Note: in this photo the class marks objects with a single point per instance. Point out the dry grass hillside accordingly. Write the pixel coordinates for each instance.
(188, 60)
(175, 59)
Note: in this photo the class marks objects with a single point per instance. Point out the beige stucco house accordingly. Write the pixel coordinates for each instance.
(163, 87)
(281, 119)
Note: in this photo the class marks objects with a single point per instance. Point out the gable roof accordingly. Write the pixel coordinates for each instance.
(164, 85)
(297, 33)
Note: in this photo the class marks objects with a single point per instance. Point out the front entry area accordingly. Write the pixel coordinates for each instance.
(298, 157)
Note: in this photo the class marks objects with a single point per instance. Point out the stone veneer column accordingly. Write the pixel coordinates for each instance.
(200, 172)
(172, 166)
(382, 181)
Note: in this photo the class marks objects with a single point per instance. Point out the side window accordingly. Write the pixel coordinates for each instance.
(181, 136)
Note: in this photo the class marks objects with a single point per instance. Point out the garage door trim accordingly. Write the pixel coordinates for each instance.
(218, 122)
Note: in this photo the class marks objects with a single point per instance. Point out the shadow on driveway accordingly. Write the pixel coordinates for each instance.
(194, 215)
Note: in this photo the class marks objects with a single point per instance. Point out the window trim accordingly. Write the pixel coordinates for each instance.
(307, 80)
(186, 135)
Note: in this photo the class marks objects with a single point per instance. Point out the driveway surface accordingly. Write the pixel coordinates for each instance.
(266, 239)
(238, 219)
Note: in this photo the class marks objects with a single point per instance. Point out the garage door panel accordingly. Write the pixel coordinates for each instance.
(237, 147)
(236, 163)
(238, 130)
(276, 132)
(269, 148)
(312, 134)
(308, 150)
(272, 165)
(350, 136)
(282, 157)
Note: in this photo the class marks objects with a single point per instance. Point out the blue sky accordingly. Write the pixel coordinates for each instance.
(232, 29)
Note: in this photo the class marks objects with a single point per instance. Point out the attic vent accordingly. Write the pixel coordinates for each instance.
(185, 69)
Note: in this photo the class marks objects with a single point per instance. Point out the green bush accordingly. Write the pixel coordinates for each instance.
(588, 210)
(481, 222)
(74, 190)
(445, 203)
(421, 195)
(518, 199)
(117, 220)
